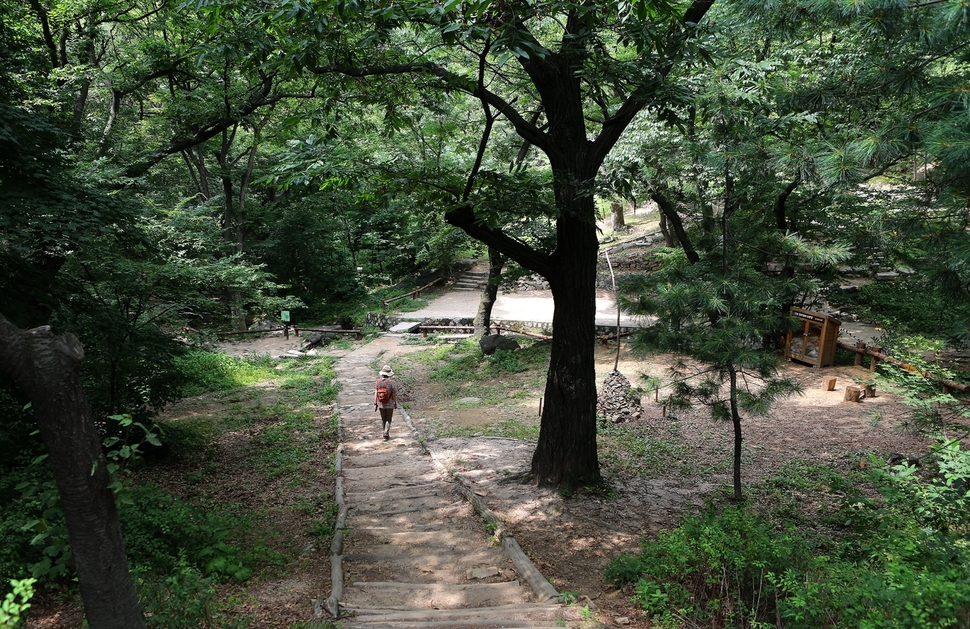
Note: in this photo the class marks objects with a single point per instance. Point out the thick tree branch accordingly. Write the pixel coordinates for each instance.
(674, 219)
(781, 214)
(46, 29)
(213, 128)
(613, 127)
(522, 126)
(464, 218)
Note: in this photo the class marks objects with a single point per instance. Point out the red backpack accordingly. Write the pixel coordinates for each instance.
(383, 395)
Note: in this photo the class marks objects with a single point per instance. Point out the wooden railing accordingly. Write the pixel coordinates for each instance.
(875, 352)
(414, 293)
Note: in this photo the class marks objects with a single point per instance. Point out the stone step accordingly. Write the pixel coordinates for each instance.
(371, 484)
(403, 492)
(445, 537)
(432, 596)
(408, 516)
(534, 616)
(441, 559)
(427, 564)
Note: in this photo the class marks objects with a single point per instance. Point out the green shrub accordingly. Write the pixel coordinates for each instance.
(910, 305)
(183, 600)
(32, 527)
(160, 529)
(900, 562)
(11, 609)
(712, 569)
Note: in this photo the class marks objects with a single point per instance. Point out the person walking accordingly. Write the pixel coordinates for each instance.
(385, 398)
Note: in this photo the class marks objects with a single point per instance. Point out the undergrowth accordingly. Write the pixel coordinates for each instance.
(181, 544)
(896, 558)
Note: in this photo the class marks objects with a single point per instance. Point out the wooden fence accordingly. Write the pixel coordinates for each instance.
(876, 355)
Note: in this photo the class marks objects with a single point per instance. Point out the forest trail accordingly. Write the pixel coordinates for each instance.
(414, 552)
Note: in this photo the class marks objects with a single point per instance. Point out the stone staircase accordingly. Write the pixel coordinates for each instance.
(471, 280)
(410, 550)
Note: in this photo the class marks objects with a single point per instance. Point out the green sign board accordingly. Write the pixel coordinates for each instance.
(285, 316)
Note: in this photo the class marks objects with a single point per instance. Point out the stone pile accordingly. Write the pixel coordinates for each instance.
(530, 282)
(616, 400)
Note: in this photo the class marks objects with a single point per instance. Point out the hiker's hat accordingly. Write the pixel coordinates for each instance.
(386, 371)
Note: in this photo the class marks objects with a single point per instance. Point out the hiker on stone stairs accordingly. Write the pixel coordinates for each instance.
(385, 398)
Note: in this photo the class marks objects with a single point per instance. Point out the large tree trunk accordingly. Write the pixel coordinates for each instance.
(47, 369)
(565, 456)
(483, 320)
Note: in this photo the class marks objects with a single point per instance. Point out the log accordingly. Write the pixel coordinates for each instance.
(828, 384)
(544, 590)
(852, 393)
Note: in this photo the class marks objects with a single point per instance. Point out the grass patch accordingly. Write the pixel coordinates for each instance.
(626, 447)
(407, 304)
(281, 449)
(508, 428)
(211, 371)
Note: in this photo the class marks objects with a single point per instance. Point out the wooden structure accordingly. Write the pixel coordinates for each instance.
(814, 341)
(877, 355)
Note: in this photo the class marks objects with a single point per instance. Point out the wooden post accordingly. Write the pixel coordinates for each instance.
(861, 346)
(828, 384)
(286, 332)
(874, 360)
(656, 394)
(540, 407)
(852, 393)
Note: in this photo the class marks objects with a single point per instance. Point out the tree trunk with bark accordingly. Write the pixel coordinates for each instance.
(736, 421)
(617, 222)
(47, 369)
(566, 456)
(483, 320)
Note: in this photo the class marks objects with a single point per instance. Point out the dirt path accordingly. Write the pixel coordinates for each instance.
(415, 553)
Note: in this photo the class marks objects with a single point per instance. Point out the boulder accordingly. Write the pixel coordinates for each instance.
(318, 339)
(493, 342)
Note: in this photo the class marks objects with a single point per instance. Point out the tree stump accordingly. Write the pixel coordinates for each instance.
(852, 393)
(870, 390)
(828, 384)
